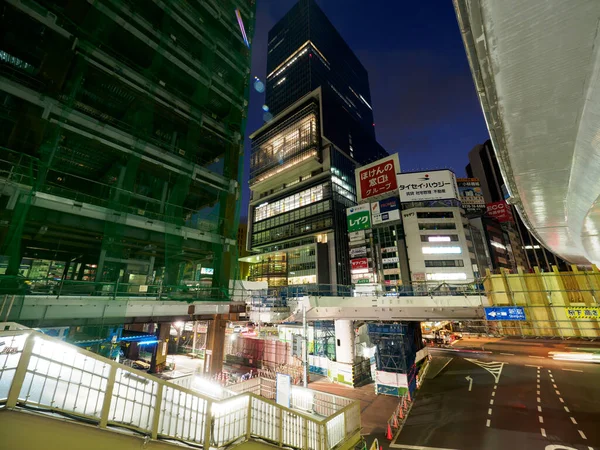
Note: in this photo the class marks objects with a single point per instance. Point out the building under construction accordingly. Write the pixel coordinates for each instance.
(121, 135)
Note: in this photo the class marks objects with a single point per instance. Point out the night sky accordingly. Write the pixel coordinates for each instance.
(422, 92)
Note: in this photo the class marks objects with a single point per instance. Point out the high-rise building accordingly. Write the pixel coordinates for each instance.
(526, 251)
(303, 160)
(306, 52)
(121, 129)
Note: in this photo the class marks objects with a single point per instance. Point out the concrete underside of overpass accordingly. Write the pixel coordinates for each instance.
(536, 67)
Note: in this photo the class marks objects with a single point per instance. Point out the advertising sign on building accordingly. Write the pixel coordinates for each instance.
(359, 263)
(358, 251)
(389, 249)
(385, 210)
(471, 196)
(378, 178)
(500, 211)
(358, 217)
(390, 260)
(357, 236)
(421, 186)
(583, 312)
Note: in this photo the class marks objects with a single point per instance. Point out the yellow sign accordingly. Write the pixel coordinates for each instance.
(583, 312)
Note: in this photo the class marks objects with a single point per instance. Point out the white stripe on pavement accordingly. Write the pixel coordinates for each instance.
(567, 409)
(557, 392)
(487, 424)
(543, 432)
(489, 411)
(537, 357)
(539, 400)
(541, 419)
(581, 434)
(539, 408)
(573, 370)
(508, 354)
(561, 400)
(573, 420)
(491, 401)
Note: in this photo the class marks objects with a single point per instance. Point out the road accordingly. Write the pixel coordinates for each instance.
(515, 397)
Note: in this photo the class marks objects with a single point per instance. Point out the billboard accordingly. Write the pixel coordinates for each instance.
(385, 210)
(377, 178)
(358, 217)
(422, 186)
(471, 196)
(359, 264)
(500, 211)
(357, 236)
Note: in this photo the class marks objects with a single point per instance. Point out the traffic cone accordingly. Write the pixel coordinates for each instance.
(388, 434)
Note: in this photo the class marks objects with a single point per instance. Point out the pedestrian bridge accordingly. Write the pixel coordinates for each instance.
(55, 395)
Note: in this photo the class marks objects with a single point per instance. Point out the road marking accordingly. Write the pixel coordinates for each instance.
(508, 354)
(487, 424)
(557, 392)
(491, 401)
(541, 419)
(539, 408)
(561, 400)
(493, 367)
(582, 435)
(573, 420)
(489, 411)
(538, 375)
(470, 380)
(543, 432)
(537, 357)
(555, 386)
(495, 386)
(549, 371)
(537, 386)
(529, 365)
(573, 370)
(493, 394)
(537, 392)
(539, 400)
(567, 409)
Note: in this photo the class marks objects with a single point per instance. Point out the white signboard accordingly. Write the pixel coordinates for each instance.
(422, 186)
(358, 251)
(386, 217)
(389, 249)
(283, 389)
(389, 260)
(391, 379)
(357, 235)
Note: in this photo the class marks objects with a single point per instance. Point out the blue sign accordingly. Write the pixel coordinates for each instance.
(505, 313)
(389, 204)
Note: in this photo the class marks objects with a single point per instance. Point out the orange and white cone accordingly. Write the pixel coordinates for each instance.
(388, 434)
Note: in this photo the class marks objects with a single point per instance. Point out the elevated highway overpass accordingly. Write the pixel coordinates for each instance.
(536, 67)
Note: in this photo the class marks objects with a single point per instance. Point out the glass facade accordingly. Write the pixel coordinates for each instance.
(294, 201)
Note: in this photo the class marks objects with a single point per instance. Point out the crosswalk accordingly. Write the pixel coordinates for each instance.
(493, 367)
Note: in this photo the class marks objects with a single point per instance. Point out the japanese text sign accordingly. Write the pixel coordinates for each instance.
(505, 313)
(471, 196)
(360, 263)
(422, 186)
(358, 217)
(583, 312)
(500, 211)
(377, 178)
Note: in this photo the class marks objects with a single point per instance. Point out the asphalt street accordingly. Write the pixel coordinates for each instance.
(499, 395)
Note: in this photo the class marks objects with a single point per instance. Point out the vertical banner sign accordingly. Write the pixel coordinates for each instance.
(359, 217)
(377, 178)
(471, 196)
(283, 389)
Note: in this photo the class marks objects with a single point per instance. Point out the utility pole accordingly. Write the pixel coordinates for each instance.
(304, 347)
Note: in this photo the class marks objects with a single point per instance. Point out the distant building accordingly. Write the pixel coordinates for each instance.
(242, 237)
(526, 251)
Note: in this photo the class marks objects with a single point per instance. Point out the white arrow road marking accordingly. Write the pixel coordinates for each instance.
(494, 367)
(470, 380)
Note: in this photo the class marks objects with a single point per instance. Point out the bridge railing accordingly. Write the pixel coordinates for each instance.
(43, 374)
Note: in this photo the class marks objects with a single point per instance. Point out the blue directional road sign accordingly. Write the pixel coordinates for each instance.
(505, 313)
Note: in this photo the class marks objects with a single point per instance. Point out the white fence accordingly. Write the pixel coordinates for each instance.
(40, 372)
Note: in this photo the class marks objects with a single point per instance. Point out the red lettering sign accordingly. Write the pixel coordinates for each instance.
(360, 263)
(378, 179)
(500, 211)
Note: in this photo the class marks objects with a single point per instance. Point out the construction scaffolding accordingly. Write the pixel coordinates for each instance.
(121, 138)
(324, 339)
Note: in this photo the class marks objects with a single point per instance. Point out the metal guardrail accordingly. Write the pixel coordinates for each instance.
(43, 374)
(415, 289)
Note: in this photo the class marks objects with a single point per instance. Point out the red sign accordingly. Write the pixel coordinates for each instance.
(500, 211)
(378, 178)
(360, 263)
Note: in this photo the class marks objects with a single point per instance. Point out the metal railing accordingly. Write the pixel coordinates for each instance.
(414, 289)
(43, 374)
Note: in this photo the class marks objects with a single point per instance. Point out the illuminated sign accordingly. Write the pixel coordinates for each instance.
(438, 238)
(385, 210)
(422, 186)
(471, 196)
(441, 250)
(358, 217)
(500, 211)
(378, 178)
(357, 236)
(359, 264)
(358, 251)
(446, 276)
(207, 271)
(390, 260)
